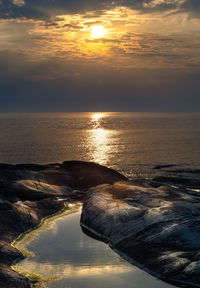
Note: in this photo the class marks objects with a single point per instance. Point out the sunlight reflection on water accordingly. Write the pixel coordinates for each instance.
(100, 140)
(132, 143)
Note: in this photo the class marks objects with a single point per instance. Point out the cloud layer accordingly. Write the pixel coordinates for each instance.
(149, 58)
(48, 9)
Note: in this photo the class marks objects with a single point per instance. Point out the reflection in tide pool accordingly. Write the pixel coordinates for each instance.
(77, 261)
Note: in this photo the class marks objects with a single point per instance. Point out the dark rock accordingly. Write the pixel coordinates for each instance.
(30, 192)
(8, 253)
(154, 228)
(85, 175)
(164, 166)
(190, 183)
(11, 279)
(186, 171)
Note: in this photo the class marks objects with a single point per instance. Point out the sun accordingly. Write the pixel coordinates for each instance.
(98, 31)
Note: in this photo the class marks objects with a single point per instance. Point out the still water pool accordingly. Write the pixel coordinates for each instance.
(74, 260)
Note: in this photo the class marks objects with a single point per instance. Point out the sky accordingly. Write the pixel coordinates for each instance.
(147, 59)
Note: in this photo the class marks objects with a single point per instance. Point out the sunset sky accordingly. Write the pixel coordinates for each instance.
(92, 55)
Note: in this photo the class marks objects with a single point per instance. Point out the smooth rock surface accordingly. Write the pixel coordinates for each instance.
(155, 228)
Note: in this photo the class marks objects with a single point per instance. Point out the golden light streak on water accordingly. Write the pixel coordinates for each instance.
(97, 116)
(100, 139)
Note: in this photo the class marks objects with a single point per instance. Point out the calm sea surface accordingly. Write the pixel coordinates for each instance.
(132, 143)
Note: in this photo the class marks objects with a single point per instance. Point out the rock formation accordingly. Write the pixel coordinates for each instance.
(155, 227)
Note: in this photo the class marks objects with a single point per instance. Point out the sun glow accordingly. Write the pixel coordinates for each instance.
(98, 31)
(97, 116)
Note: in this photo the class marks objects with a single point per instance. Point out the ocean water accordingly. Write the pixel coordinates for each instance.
(132, 143)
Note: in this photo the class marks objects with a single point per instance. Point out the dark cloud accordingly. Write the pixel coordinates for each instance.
(193, 7)
(93, 87)
(45, 9)
(48, 9)
(130, 95)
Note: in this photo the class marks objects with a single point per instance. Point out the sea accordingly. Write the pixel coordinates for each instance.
(139, 145)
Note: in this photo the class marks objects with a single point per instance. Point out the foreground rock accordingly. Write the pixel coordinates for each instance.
(31, 192)
(155, 228)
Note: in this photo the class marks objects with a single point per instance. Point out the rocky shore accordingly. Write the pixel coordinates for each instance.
(29, 192)
(153, 225)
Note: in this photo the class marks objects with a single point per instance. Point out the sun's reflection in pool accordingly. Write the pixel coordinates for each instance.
(64, 270)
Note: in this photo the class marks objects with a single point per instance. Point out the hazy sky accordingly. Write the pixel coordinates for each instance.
(148, 59)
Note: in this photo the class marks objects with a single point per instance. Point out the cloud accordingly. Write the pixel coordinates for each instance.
(132, 40)
(154, 3)
(19, 3)
(148, 59)
(45, 9)
(192, 7)
(88, 89)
